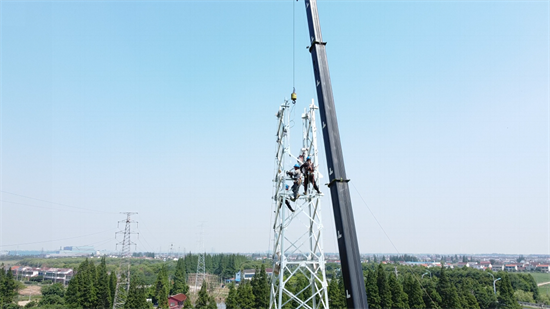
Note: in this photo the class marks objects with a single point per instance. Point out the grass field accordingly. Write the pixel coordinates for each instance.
(541, 277)
(545, 289)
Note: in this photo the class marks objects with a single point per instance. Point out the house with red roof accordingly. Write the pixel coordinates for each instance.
(176, 301)
(486, 264)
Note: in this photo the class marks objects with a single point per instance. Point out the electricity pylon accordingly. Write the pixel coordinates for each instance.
(298, 243)
(201, 265)
(123, 279)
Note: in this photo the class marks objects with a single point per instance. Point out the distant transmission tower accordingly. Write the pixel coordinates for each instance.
(123, 279)
(201, 265)
(298, 241)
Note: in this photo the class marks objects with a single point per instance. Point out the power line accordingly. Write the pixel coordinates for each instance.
(55, 203)
(45, 207)
(391, 242)
(47, 241)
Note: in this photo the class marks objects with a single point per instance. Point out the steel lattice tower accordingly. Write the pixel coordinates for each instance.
(123, 279)
(298, 242)
(200, 275)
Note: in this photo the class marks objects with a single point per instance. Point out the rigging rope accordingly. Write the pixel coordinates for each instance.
(391, 242)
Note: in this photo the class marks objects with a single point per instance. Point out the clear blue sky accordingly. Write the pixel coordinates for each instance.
(167, 109)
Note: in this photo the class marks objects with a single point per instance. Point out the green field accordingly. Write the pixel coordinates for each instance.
(541, 277)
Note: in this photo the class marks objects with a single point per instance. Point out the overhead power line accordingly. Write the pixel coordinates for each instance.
(52, 240)
(55, 203)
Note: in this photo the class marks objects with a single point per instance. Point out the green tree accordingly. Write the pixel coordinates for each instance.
(447, 291)
(180, 279)
(431, 296)
(112, 285)
(373, 298)
(50, 300)
(245, 295)
(523, 296)
(54, 289)
(260, 288)
(187, 304)
(206, 301)
(399, 298)
(71, 295)
(231, 302)
(412, 288)
(485, 297)
(52, 295)
(300, 290)
(81, 291)
(506, 297)
(468, 299)
(533, 286)
(136, 295)
(8, 287)
(86, 289)
(162, 288)
(336, 294)
(103, 291)
(383, 287)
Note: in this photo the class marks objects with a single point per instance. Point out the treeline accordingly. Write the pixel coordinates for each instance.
(440, 288)
(405, 257)
(223, 265)
(394, 258)
(93, 287)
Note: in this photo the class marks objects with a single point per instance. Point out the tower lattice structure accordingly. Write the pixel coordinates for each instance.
(298, 254)
(123, 275)
(200, 275)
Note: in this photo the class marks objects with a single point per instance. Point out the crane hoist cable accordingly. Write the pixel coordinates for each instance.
(293, 96)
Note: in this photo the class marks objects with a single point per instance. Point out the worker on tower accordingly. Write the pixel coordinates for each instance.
(309, 175)
(296, 175)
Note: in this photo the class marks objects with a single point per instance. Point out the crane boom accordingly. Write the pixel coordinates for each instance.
(356, 296)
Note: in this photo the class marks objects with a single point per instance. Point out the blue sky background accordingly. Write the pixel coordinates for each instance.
(167, 109)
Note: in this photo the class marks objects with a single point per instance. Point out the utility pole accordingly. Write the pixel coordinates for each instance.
(123, 281)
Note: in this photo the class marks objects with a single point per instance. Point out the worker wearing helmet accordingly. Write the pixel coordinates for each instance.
(296, 175)
(309, 176)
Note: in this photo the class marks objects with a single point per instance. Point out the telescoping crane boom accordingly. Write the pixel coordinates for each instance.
(356, 296)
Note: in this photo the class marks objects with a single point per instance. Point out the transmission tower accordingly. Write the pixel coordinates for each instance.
(123, 275)
(298, 242)
(200, 275)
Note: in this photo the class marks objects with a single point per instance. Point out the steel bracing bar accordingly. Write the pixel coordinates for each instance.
(341, 202)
